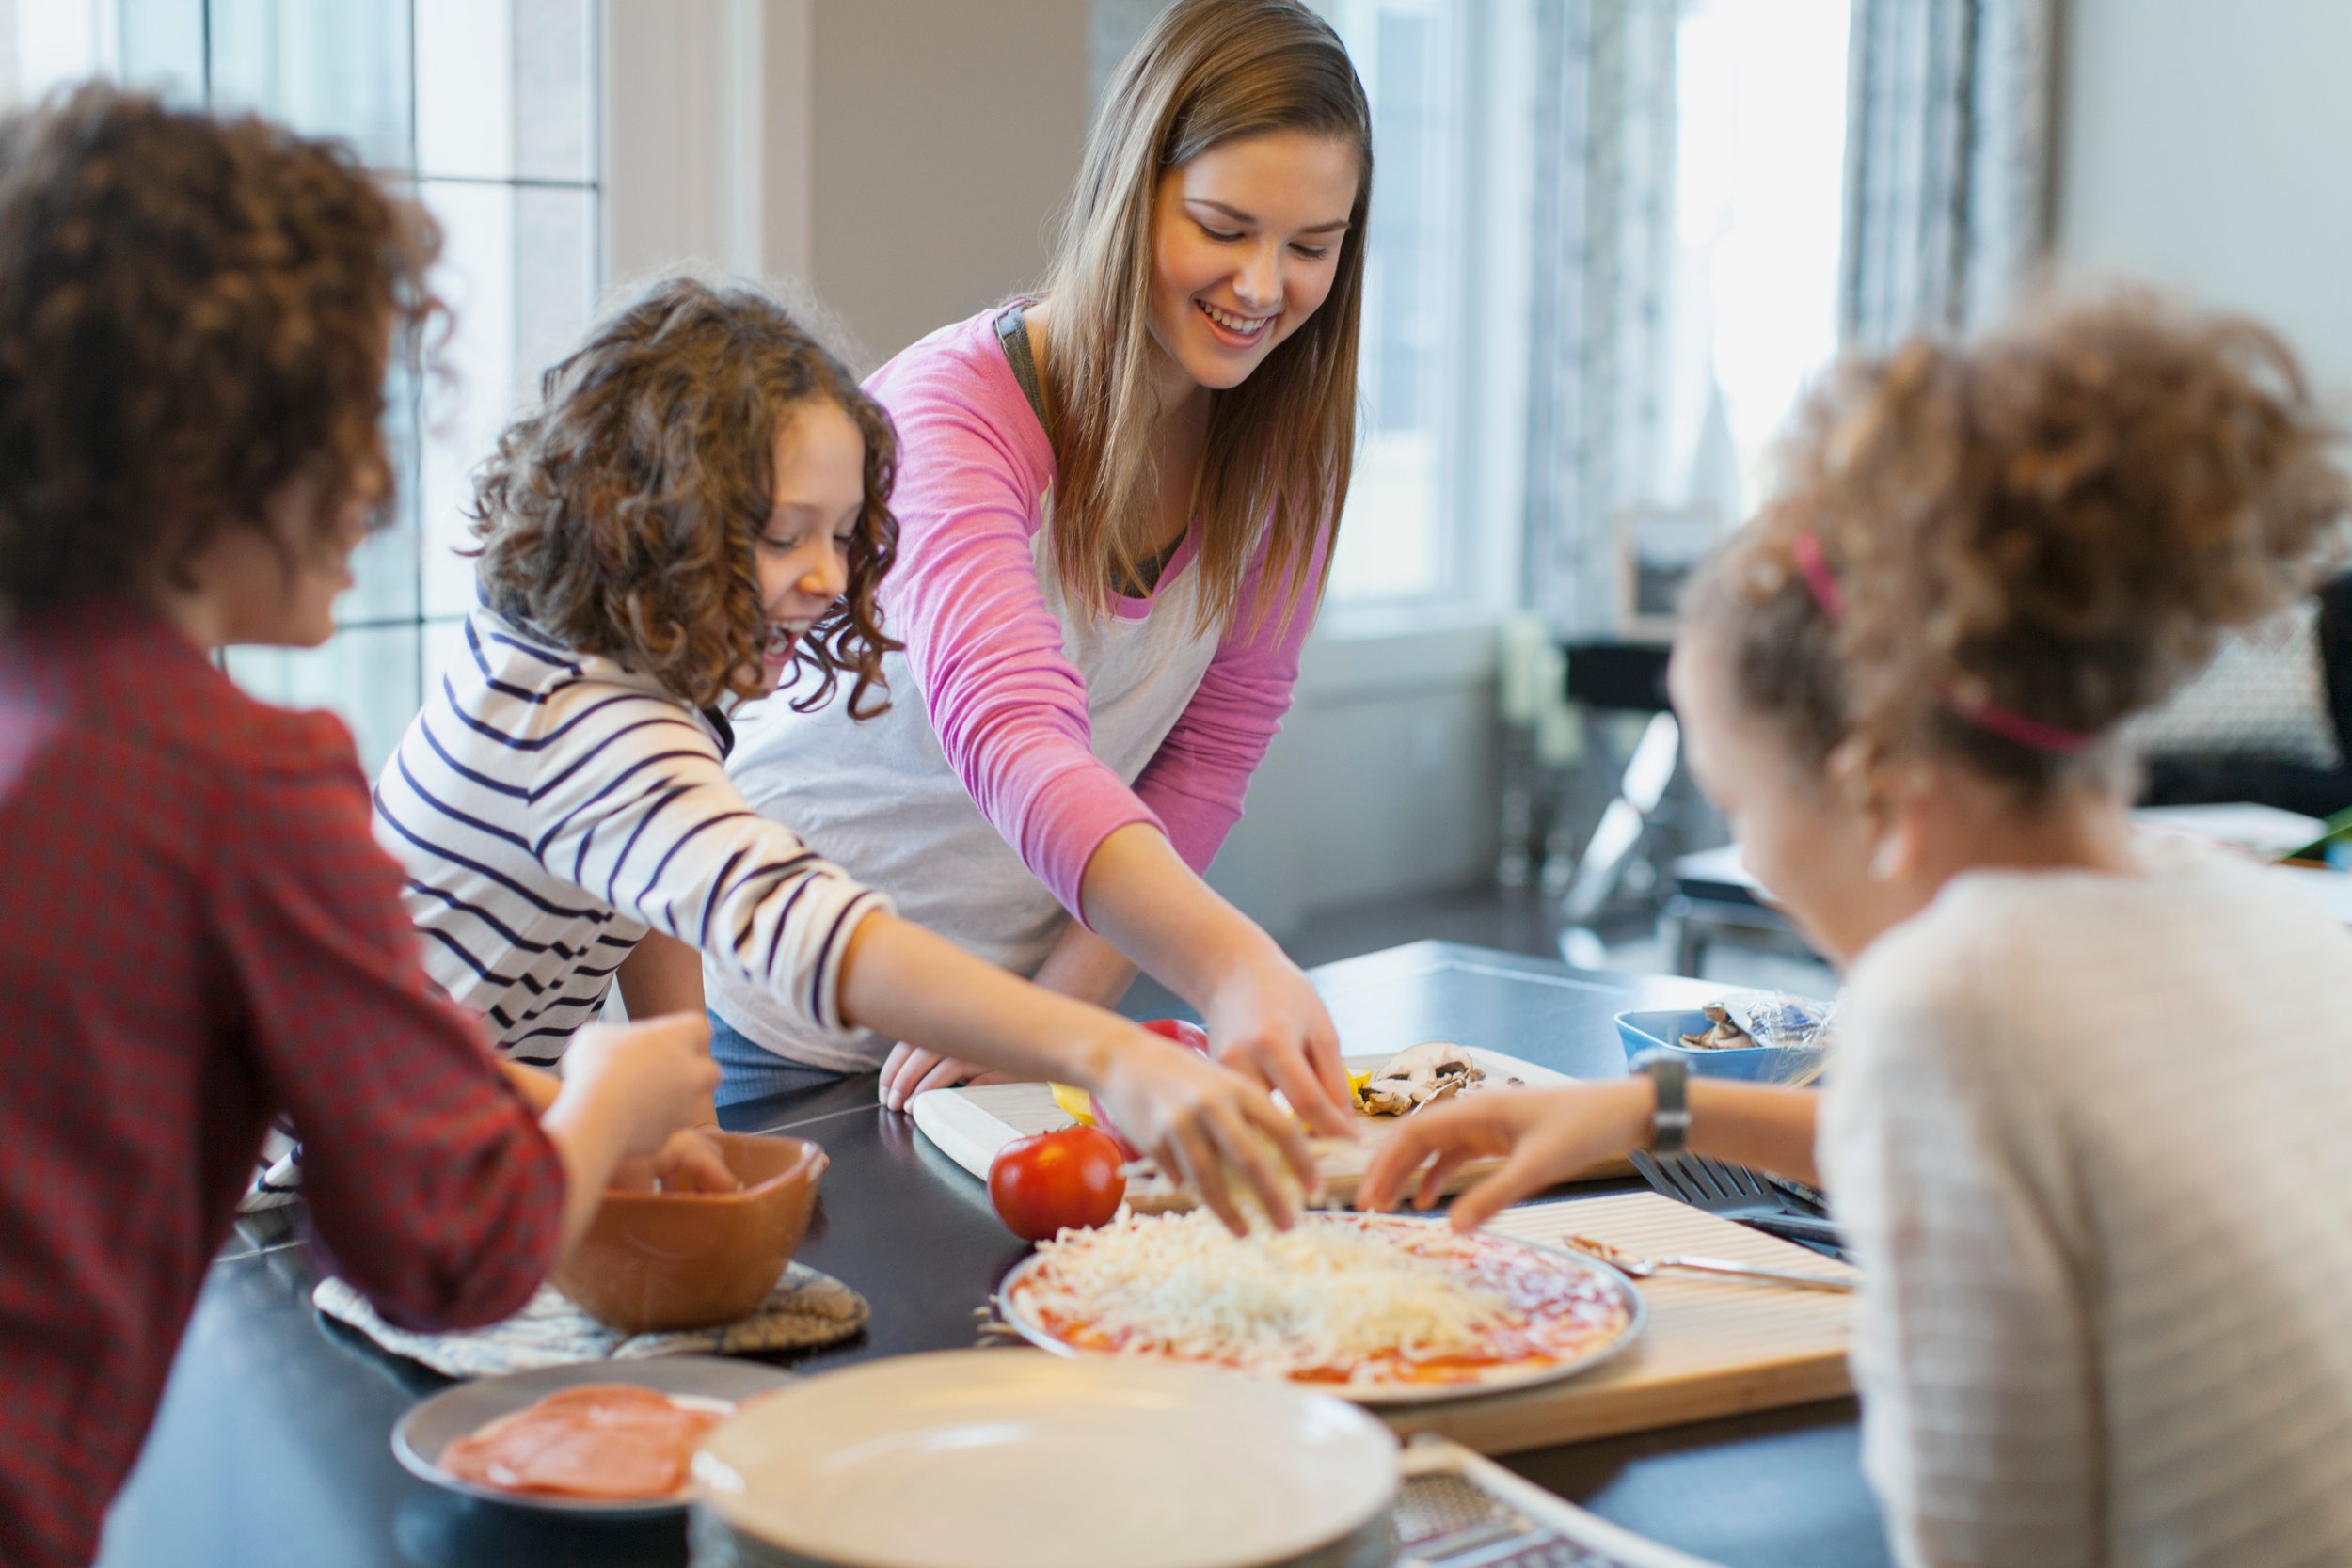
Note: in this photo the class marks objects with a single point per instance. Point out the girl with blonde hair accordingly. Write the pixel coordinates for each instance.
(1117, 502)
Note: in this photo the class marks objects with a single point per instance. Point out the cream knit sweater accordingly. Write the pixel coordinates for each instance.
(2092, 1137)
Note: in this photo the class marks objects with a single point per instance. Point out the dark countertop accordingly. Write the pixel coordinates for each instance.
(272, 1446)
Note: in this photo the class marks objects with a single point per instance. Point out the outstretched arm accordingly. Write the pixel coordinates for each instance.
(1208, 1127)
(1546, 1136)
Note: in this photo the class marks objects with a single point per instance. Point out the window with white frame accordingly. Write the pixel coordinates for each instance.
(489, 112)
(1728, 166)
(1393, 536)
(1690, 182)
(1433, 518)
(1759, 139)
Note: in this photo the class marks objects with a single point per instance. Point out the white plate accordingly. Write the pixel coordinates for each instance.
(1011, 1305)
(433, 1424)
(1007, 1459)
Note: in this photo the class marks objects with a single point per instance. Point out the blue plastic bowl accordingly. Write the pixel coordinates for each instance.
(1663, 1031)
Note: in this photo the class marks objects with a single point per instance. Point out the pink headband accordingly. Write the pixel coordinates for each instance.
(2030, 733)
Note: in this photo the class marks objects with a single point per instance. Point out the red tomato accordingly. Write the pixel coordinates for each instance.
(1174, 1029)
(1049, 1180)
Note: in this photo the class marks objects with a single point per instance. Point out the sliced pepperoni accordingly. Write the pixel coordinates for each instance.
(604, 1440)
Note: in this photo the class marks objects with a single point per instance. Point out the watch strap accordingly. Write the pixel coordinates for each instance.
(1670, 1117)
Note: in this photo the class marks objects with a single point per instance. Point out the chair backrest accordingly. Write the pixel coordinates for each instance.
(2335, 656)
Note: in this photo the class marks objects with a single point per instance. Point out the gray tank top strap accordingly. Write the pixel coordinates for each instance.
(1014, 339)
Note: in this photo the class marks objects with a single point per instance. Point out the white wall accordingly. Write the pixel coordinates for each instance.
(1385, 781)
(2207, 145)
(902, 159)
(945, 137)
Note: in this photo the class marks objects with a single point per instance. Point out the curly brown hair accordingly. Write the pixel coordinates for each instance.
(2056, 523)
(623, 515)
(194, 313)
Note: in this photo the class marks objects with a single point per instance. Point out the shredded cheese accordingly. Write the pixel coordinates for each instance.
(1340, 1297)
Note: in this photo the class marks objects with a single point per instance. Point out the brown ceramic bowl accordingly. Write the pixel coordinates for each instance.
(655, 1261)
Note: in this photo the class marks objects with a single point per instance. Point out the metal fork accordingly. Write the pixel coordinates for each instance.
(1642, 1268)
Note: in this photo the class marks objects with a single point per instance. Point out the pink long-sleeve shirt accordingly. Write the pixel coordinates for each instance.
(1056, 729)
(988, 651)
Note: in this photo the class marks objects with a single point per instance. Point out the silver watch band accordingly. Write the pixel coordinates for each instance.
(1670, 1117)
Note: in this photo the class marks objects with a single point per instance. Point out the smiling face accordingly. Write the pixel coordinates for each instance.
(803, 551)
(1245, 245)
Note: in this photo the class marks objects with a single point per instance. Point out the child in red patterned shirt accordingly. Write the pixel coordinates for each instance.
(196, 321)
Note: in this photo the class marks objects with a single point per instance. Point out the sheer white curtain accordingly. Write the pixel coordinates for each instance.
(1948, 158)
(1689, 207)
(1605, 130)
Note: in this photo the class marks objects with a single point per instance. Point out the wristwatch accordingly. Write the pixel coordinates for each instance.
(1670, 1117)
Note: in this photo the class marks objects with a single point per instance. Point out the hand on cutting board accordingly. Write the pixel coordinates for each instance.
(909, 1071)
(1543, 1137)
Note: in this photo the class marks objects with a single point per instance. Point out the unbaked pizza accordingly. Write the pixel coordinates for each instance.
(1371, 1307)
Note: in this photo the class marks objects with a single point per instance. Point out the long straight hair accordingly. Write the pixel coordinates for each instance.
(1280, 445)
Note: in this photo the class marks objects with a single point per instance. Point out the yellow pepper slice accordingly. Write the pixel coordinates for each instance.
(1075, 1102)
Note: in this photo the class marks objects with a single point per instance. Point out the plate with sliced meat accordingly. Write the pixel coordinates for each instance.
(602, 1438)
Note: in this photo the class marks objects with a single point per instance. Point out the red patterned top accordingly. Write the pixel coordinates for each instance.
(199, 933)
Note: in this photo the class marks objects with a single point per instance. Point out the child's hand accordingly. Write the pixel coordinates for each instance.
(1546, 1134)
(639, 1081)
(1266, 1023)
(1205, 1125)
(627, 1088)
(687, 1162)
(909, 1071)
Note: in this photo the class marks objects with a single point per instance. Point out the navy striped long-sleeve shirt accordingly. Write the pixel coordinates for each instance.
(551, 807)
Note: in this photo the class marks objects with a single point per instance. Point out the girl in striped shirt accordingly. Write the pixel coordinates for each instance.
(697, 515)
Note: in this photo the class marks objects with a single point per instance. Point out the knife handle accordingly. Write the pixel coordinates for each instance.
(1802, 1228)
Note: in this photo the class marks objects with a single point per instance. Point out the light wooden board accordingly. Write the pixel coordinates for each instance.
(970, 1124)
(1711, 1347)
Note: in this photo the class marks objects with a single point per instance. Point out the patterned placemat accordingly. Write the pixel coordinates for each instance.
(806, 1309)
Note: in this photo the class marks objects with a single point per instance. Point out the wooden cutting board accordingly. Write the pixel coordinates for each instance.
(1711, 1347)
(970, 1124)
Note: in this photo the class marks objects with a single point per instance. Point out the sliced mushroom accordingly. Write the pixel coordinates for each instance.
(1723, 1034)
(1413, 1078)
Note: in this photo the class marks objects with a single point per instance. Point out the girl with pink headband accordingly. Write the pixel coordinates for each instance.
(2084, 1129)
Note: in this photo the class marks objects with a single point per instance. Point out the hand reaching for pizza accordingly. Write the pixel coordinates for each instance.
(1543, 1137)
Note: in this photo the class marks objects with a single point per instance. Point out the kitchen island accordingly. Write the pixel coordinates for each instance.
(272, 1447)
